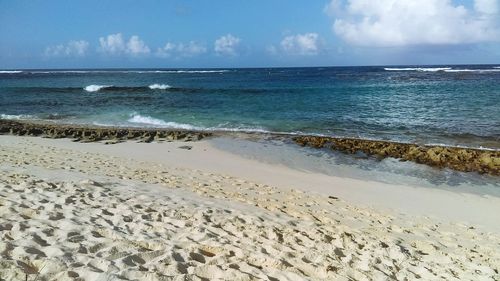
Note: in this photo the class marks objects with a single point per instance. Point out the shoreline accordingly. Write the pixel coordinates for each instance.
(464, 159)
(152, 211)
(439, 203)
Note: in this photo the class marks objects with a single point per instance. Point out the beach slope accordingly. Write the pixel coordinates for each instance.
(72, 211)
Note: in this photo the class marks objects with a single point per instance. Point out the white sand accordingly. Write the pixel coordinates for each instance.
(132, 211)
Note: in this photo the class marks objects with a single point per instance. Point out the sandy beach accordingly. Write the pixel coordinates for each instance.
(347, 140)
(190, 211)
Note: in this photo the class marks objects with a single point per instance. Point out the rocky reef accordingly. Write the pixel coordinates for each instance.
(109, 135)
(456, 158)
(460, 159)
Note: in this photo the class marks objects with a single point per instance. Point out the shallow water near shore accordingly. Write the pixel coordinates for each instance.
(357, 166)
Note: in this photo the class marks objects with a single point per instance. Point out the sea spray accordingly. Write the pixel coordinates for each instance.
(155, 122)
(96, 88)
(159, 86)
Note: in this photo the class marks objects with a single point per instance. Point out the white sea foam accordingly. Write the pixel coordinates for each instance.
(496, 67)
(420, 69)
(179, 71)
(15, 117)
(472, 70)
(136, 118)
(65, 71)
(198, 71)
(95, 88)
(10, 71)
(242, 129)
(159, 86)
(101, 124)
(122, 71)
(461, 146)
(154, 122)
(443, 69)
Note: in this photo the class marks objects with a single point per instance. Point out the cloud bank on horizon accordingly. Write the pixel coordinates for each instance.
(331, 32)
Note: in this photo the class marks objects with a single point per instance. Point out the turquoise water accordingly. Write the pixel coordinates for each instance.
(454, 105)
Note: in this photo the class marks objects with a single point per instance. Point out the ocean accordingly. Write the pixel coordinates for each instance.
(455, 105)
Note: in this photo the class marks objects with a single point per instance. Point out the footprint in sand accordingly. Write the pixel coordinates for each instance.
(39, 254)
(40, 241)
(56, 216)
(133, 260)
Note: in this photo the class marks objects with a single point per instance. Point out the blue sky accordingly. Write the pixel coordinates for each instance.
(243, 33)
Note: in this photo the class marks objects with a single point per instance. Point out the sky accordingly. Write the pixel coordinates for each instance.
(246, 33)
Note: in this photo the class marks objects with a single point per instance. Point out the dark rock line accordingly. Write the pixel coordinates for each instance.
(95, 134)
(460, 159)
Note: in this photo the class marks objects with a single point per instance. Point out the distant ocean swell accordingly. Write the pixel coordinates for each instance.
(443, 69)
(111, 71)
(220, 71)
(154, 87)
(421, 69)
(98, 88)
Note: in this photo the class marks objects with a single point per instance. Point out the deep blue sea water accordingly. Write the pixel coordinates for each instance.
(453, 105)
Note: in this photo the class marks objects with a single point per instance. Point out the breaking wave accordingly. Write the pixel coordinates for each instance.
(10, 71)
(154, 122)
(16, 117)
(443, 69)
(193, 71)
(159, 123)
(151, 88)
(95, 88)
(159, 86)
(420, 69)
(116, 71)
(473, 70)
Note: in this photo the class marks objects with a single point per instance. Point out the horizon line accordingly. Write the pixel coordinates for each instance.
(246, 67)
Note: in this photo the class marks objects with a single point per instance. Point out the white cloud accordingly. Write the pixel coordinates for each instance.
(301, 44)
(227, 45)
(72, 48)
(136, 46)
(486, 6)
(114, 44)
(181, 50)
(414, 22)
